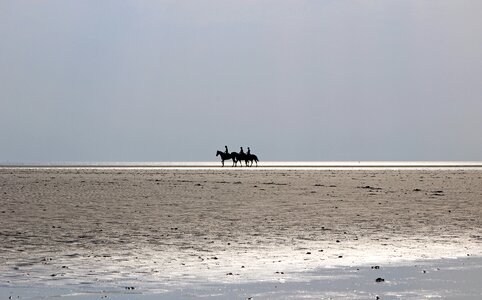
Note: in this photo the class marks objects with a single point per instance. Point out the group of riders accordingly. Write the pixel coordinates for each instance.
(238, 157)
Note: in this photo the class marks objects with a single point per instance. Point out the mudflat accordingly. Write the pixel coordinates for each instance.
(161, 228)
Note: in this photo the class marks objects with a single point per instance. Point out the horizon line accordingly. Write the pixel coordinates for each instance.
(263, 164)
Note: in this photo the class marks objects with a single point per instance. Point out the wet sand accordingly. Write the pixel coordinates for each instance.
(162, 230)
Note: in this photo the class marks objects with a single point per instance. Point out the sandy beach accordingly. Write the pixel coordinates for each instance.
(240, 233)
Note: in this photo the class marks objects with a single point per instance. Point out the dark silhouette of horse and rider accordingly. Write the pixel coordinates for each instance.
(238, 157)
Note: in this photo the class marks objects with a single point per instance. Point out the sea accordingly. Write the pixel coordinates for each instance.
(349, 165)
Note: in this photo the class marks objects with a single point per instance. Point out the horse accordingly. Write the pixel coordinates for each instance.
(251, 158)
(239, 157)
(227, 156)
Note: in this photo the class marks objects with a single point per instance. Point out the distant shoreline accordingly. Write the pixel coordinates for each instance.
(262, 165)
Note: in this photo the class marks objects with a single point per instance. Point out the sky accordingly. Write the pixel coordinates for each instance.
(137, 81)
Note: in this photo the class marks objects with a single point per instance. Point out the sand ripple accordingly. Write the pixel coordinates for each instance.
(85, 226)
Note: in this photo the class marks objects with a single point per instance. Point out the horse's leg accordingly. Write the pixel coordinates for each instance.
(222, 161)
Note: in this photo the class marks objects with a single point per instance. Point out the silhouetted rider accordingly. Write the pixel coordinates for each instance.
(242, 151)
(226, 149)
(249, 152)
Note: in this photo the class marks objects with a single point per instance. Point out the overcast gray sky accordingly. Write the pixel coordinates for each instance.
(295, 80)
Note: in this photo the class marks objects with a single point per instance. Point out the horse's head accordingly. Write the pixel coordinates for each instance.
(217, 153)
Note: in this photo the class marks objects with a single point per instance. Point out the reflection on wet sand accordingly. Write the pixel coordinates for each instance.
(93, 226)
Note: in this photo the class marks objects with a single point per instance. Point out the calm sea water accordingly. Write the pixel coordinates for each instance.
(263, 164)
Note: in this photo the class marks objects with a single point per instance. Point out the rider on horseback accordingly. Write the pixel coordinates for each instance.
(237, 157)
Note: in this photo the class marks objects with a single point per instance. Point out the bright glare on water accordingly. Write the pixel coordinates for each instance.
(266, 165)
